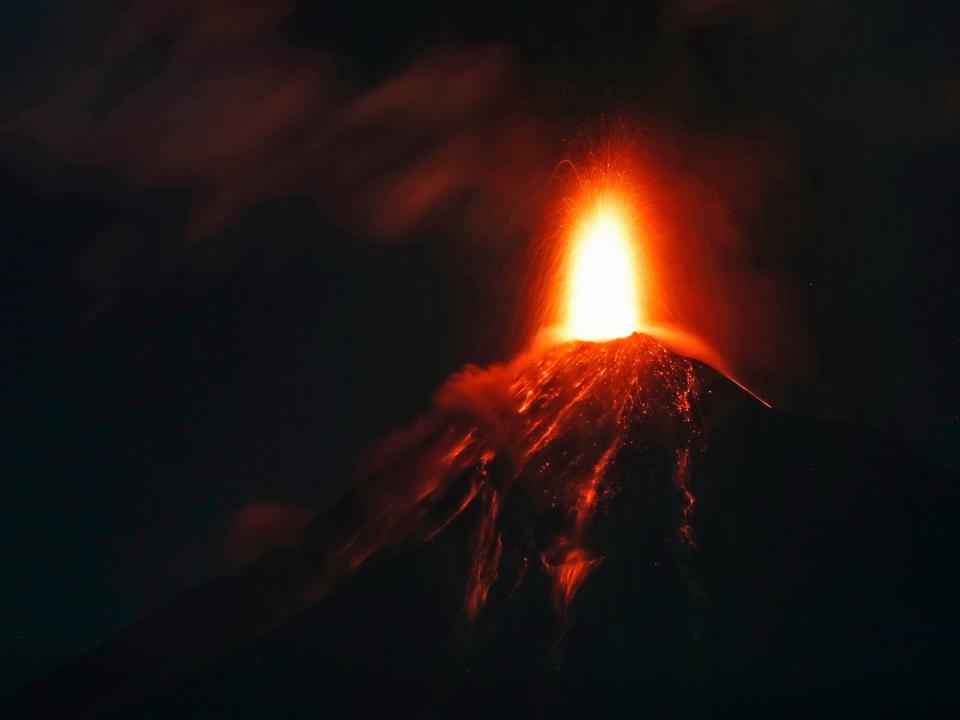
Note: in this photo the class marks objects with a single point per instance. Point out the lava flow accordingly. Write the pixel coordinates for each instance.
(545, 430)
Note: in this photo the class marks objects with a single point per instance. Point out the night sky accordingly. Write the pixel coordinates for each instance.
(204, 317)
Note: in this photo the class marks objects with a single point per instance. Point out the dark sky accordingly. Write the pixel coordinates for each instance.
(206, 316)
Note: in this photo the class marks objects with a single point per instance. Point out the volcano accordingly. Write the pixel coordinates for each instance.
(600, 527)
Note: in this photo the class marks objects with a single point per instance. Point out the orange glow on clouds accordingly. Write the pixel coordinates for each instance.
(603, 300)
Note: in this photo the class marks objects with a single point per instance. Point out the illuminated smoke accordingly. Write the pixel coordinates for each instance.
(447, 145)
(240, 114)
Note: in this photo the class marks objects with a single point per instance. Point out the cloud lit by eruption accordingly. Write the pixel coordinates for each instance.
(261, 527)
(241, 114)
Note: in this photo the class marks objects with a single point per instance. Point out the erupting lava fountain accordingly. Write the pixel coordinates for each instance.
(539, 443)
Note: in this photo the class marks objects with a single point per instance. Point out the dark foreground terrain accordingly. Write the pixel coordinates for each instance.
(823, 583)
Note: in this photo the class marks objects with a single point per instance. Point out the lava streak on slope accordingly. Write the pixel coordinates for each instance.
(546, 428)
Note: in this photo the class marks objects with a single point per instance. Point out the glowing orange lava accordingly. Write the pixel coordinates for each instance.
(603, 301)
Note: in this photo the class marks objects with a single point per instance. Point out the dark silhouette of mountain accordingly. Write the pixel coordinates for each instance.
(823, 583)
